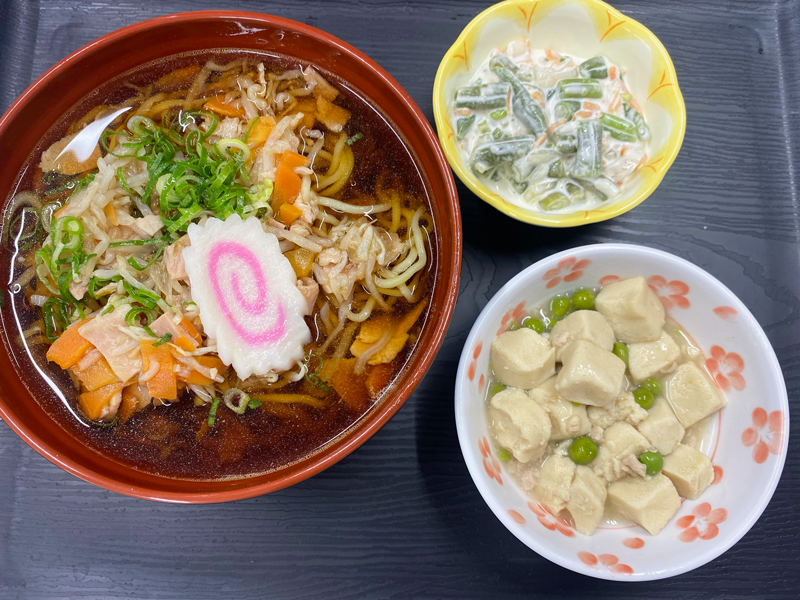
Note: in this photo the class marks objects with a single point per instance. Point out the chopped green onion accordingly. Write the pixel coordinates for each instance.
(150, 242)
(354, 139)
(148, 316)
(212, 414)
(254, 403)
(312, 377)
(231, 396)
(132, 261)
(54, 315)
(167, 337)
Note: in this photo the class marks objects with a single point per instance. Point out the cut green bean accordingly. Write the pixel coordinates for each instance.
(565, 143)
(525, 108)
(593, 190)
(500, 113)
(642, 130)
(575, 192)
(596, 68)
(463, 124)
(619, 128)
(554, 201)
(493, 154)
(590, 148)
(580, 88)
(557, 169)
(566, 108)
(490, 96)
(523, 167)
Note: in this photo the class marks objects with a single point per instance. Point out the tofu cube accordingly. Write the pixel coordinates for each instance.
(662, 427)
(587, 325)
(690, 471)
(555, 481)
(632, 309)
(620, 441)
(692, 395)
(646, 359)
(587, 498)
(566, 419)
(647, 502)
(519, 424)
(522, 358)
(590, 375)
(624, 408)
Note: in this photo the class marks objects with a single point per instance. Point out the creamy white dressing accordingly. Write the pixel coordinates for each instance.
(547, 186)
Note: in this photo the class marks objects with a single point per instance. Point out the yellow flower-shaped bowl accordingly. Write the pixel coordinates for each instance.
(581, 28)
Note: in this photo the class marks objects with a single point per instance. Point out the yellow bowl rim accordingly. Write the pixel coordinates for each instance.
(575, 219)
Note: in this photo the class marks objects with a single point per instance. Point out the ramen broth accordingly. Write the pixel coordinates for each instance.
(184, 439)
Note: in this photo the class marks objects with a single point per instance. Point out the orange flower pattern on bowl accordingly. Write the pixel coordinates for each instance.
(764, 442)
(702, 523)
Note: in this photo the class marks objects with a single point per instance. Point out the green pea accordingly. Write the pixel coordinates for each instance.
(621, 350)
(583, 300)
(644, 398)
(582, 450)
(653, 461)
(652, 384)
(503, 454)
(559, 306)
(534, 323)
(496, 388)
(501, 113)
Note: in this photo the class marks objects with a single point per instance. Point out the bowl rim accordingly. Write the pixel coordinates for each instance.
(510, 289)
(440, 113)
(347, 442)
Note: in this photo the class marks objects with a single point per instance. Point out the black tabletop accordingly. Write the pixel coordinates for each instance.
(400, 517)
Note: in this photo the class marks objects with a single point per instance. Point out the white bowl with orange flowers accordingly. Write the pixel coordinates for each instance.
(746, 441)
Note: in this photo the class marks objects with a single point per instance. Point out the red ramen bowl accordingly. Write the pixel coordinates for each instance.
(66, 85)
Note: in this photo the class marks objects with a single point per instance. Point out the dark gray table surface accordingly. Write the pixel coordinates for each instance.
(400, 517)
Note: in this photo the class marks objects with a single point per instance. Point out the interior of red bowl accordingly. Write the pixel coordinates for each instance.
(58, 90)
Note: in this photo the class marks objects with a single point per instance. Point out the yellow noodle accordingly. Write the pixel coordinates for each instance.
(395, 212)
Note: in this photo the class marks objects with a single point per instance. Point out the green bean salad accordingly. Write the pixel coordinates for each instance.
(555, 133)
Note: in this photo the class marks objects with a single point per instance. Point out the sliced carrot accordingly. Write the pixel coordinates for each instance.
(260, 132)
(111, 214)
(332, 116)
(68, 349)
(287, 185)
(551, 54)
(217, 105)
(96, 375)
(615, 103)
(178, 79)
(378, 377)
(582, 114)
(163, 384)
(189, 328)
(301, 261)
(212, 362)
(292, 159)
(590, 105)
(537, 95)
(289, 213)
(556, 125)
(93, 403)
(351, 387)
(612, 73)
(134, 399)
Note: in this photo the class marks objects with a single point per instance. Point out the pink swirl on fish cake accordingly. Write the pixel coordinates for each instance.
(254, 307)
